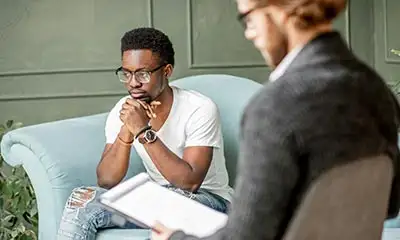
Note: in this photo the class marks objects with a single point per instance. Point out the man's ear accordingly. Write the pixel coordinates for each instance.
(168, 70)
(278, 15)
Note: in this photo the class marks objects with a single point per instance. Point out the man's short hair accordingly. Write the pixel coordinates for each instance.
(308, 13)
(151, 39)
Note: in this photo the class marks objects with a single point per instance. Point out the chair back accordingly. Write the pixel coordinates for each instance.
(231, 94)
(347, 202)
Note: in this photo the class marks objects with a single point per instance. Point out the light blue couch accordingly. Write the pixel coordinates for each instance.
(59, 156)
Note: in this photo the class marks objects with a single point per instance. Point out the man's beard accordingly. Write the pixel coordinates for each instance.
(278, 46)
(160, 91)
(274, 54)
(277, 56)
(149, 99)
(145, 97)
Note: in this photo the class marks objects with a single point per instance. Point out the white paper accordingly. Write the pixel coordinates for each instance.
(151, 202)
(391, 234)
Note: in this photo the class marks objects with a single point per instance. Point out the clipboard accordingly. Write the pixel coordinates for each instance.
(143, 202)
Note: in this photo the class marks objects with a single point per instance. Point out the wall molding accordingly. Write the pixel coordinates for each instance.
(388, 58)
(193, 65)
(5, 98)
(347, 24)
(150, 13)
(150, 19)
(55, 71)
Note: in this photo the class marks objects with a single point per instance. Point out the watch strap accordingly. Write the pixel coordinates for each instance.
(144, 129)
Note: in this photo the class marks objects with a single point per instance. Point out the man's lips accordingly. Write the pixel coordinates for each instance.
(137, 93)
(140, 95)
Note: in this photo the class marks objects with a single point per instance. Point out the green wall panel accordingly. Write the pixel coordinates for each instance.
(387, 37)
(57, 57)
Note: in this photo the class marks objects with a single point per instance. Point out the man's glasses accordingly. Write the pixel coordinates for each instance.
(242, 17)
(142, 76)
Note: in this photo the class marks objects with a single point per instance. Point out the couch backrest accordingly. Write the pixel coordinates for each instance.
(231, 94)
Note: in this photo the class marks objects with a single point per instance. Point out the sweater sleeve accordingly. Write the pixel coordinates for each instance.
(267, 174)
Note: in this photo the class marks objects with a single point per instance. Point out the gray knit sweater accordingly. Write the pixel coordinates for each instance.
(327, 109)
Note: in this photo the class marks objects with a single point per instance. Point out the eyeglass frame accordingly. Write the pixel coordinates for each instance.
(139, 70)
(241, 16)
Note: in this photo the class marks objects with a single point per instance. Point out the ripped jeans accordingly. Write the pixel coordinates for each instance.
(83, 216)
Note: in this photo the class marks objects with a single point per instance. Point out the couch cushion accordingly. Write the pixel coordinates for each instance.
(122, 234)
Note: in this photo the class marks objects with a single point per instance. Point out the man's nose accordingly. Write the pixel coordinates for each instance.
(134, 83)
(250, 33)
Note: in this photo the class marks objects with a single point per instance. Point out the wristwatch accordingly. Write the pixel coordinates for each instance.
(149, 136)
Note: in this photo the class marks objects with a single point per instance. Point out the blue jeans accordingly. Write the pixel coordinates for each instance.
(83, 216)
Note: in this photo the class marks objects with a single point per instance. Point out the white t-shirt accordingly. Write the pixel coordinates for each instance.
(193, 121)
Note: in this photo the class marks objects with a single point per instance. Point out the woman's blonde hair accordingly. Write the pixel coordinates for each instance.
(308, 13)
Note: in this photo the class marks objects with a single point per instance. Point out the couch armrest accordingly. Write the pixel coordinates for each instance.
(59, 156)
(68, 150)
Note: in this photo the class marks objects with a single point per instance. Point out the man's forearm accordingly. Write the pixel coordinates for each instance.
(177, 171)
(115, 161)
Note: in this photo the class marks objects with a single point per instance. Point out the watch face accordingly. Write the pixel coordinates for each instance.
(150, 136)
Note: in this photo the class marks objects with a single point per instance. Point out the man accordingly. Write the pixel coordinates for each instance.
(322, 107)
(176, 132)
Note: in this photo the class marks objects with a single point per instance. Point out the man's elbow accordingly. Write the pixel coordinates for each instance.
(188, 187)
(191, 186)
(105, 183)
(194, 187)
